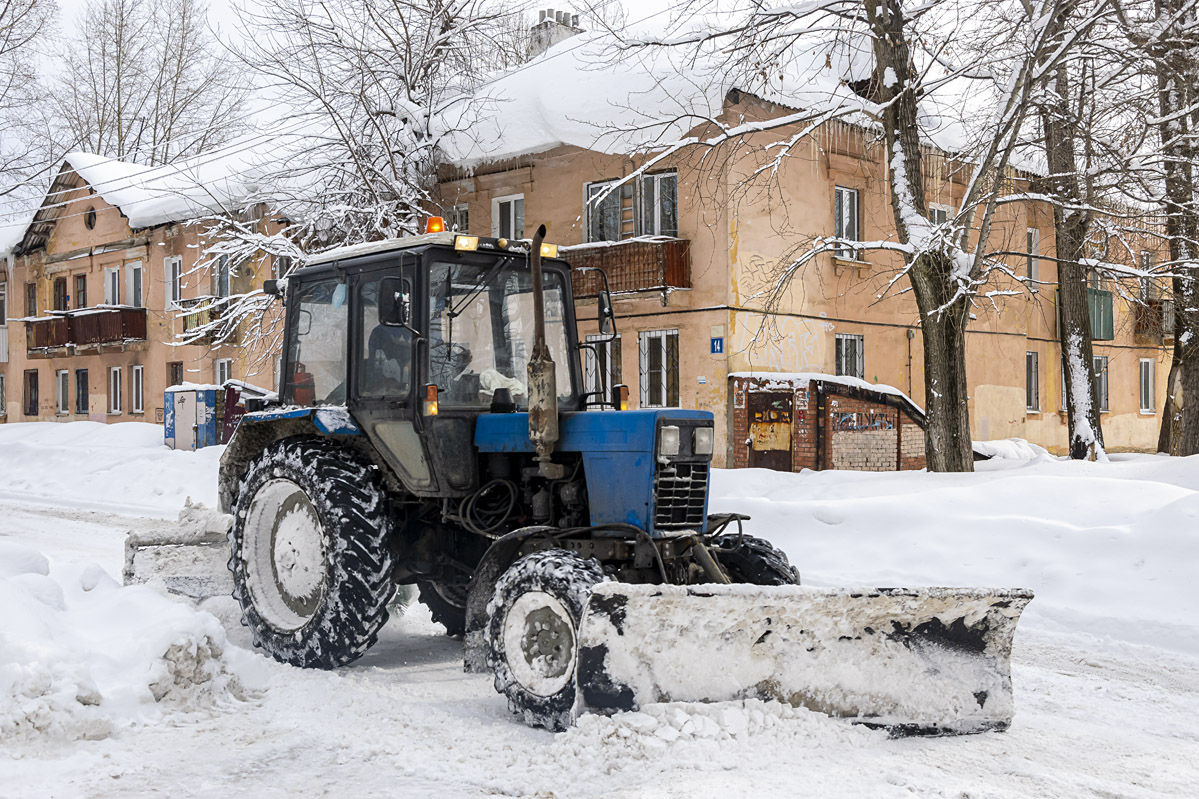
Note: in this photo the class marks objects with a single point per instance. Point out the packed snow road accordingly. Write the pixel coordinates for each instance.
(1106, 671)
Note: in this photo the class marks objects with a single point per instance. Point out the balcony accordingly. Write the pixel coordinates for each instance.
(88, 327)
(1153, 321)
(642, 264)
(198, 314)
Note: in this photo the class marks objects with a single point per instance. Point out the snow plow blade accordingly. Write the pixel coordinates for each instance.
(928, 661)
(190, 559)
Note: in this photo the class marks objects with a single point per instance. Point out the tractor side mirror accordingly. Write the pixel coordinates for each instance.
(395, 303)
(270, 288)
(607, 317)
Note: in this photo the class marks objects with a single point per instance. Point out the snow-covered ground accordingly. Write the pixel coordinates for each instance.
(1106, 663)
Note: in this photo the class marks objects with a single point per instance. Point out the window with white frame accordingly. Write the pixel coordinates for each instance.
(604, 204)
(137, 390)
(1100, 362)
(81, 395)
(938, 214)
(173, 278)
(1148, 403)
(601, 366)
(1032, 244)
(114, 390)
(845, 220)
(221, 276)
(1032, 382)
(850, 354)
(224, 370)
(112, 285)
(1150, 290)
(508, 216)
(659, 368)
(3, 306)
(459, 218)
(659, 207)
(62, 391)
(133, 284)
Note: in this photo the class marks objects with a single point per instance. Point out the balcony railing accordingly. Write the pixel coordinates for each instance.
(643, 264)
(89, 326)
(198, 313)
(1154, 320)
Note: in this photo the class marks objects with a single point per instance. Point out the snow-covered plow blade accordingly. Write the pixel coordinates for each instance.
(916, 661)
(190, 558)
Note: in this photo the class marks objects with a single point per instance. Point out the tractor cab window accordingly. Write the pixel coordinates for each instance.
(316, 354)
(481, 331)
(385, 361)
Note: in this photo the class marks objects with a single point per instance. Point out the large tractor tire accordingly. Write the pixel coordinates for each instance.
(753, 560)
(447, 605)
(309, 556)
(532, 633)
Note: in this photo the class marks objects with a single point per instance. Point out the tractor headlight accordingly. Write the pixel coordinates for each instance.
(668, 441)
(703, 441)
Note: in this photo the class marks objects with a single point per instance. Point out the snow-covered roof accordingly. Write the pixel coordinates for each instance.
(793, 379)
(588, 92)
(386, 245)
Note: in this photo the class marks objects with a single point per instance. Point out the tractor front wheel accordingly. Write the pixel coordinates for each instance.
(753, 560)
(309, 556)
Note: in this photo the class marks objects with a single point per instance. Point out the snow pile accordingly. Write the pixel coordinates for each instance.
(1109, 548)
(1009, 449)
(80, 655)
(122, 467)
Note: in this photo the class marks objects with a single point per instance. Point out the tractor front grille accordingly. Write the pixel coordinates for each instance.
(679, 492)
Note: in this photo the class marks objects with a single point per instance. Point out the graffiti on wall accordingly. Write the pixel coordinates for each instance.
(779, 344)
(850, 422)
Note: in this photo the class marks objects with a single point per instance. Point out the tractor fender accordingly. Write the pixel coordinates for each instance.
(499, 556)
(258, 430)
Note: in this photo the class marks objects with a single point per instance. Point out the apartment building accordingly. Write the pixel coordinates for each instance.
(97, 290)
(694, 250)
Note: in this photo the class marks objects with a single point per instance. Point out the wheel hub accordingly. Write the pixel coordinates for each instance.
(539, 638)
(284, 551)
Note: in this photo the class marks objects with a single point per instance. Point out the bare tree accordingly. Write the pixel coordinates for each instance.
(146, 81)
(23, 129)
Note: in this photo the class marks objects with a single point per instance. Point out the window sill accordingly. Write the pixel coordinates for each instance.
(1144, 412)
(115, 413)
(1032, 411)
(841, 264)
(137, 413)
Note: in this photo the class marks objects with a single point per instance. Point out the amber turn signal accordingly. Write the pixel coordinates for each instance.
(621, 397)
(431, 399)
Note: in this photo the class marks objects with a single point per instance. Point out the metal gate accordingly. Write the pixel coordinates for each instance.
(770, 416)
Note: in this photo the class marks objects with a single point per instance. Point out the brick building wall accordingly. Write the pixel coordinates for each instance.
(831, 425)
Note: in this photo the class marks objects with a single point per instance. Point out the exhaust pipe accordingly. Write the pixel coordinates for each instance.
(543, 382)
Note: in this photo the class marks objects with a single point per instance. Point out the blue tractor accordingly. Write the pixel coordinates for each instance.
(432, 430)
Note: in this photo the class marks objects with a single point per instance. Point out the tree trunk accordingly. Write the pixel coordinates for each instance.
(943, 312)
(1176, 76)
(1167, 440)
(1070, 230)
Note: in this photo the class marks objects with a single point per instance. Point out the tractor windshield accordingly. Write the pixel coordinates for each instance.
(481, 331)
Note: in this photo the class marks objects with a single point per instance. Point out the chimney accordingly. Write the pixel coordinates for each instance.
(552, 27)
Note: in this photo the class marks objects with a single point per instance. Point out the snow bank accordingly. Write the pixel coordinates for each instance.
(124, 468)
(81, 656)
(1009, 448)
(1109, 549)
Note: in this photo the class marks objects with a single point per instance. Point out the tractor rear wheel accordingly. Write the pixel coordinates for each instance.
(753, 560)
(309, 556)
(532, 633)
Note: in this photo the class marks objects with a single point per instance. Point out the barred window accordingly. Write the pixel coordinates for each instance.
(659, 368)
(601, 366)
(850, 355)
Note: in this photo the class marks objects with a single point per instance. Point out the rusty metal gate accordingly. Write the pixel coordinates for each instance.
(770, 416)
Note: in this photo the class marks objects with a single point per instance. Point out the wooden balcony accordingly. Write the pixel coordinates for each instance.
(84, 328)
(198, 314)
(643, 264)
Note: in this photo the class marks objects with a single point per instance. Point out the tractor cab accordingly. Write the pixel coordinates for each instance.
(418, 338)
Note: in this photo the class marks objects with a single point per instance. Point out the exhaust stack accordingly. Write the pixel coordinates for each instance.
(543, 382)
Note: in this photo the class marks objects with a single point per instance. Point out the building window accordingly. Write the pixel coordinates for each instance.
(459, 218)
(89, 219)
(601, 366)
(133, 284)
(1032, 382)
(30, 398)
(175, 373)
(62, 391)
(3, 312)
(1033, 248)
(280, 266)
(1148, 405)
(508, 217)
(173, 276)
(61, 300)
(659, 205)
(3, 397)
(220, 277)
(80, 291)
(850, 355)
(112, 285)
(1150, 290)
(31, 299)
(604, 204)
(114, 390)
(938, 214)
(1100, 362)
(81, 398)
(224, 371)
(660, 369)
(137, 384)
(845, 220)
